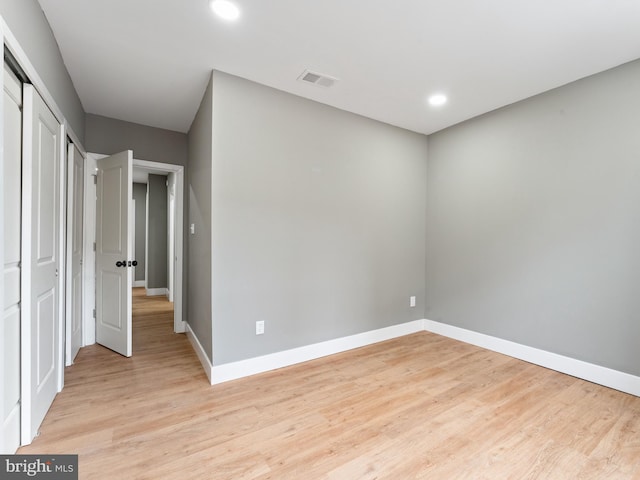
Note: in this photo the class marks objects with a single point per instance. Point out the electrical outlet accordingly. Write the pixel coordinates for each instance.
(412, 301)
(260, 327)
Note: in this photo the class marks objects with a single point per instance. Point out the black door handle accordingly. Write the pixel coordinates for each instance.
(134, 263)
(120, 264)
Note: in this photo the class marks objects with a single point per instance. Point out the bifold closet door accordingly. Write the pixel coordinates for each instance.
(75, 201)
(10, 327)
(42, 204)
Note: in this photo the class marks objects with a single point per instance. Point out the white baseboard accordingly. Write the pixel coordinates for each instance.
(202, 355)
(155, 292)
(273, 361)
(138, 283)
(607, 377)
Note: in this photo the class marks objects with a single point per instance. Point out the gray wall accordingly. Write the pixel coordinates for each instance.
(318, 221)
(108, 136)
(198, 193)
(29, 25)
(157, 242)
(140, 196)
(534, 221)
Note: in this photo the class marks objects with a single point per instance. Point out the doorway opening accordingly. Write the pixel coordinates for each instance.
(171, 177)
(155, 230)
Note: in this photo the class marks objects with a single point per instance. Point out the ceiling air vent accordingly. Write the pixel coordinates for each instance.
(317, 79)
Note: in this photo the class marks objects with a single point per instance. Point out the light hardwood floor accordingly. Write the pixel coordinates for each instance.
(421, 406)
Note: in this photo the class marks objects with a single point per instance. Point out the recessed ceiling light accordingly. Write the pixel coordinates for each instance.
(437, 100)
(225, 9)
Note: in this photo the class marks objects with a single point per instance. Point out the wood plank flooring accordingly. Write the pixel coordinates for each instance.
(417, 407)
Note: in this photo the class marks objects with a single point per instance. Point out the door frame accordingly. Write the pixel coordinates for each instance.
(171, 225)
(179, 325)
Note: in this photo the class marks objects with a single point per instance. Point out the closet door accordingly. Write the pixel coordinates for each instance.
(10, 318)
(75, 201)
(42, 206)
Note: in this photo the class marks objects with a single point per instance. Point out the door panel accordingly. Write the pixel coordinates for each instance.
(10, 403)
(42, 188)
(113, 245)
(45, 333)
(75, 218)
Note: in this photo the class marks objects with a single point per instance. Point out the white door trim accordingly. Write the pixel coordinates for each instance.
(171, 241)
(89, 254)
(146, 237)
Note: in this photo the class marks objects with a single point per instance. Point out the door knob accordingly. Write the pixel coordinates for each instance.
(134, 263)
(120, 264)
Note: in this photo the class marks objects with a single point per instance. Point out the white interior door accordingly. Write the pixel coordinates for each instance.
(113, 248)
(42, 204)
(75, 202)
(10, 319)
(132, 232)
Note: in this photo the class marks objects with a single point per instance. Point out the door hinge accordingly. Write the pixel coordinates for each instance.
(94, 313)
(94, 246)
(95, 179)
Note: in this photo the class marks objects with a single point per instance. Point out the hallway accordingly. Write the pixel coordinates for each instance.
(111, 403)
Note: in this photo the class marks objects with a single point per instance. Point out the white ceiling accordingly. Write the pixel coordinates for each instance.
(148, 61)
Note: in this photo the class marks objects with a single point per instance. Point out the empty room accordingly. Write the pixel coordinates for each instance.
(325, 240)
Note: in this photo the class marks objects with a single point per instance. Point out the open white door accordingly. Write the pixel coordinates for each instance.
(114, 252)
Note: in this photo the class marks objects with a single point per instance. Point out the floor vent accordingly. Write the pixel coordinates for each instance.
(319, 79)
